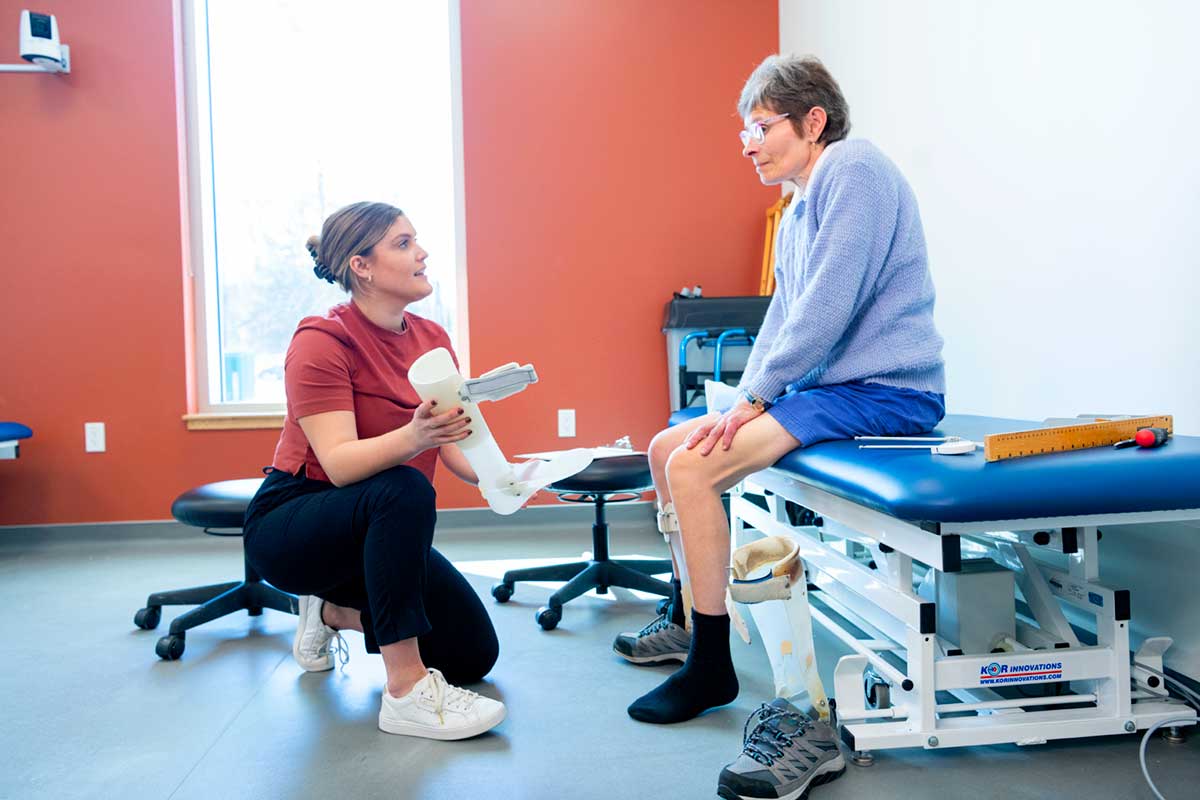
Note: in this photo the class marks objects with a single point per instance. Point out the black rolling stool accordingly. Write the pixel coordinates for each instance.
(218, 508)
(606, 480)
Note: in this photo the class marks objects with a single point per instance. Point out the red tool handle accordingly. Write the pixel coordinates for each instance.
(1150, 437)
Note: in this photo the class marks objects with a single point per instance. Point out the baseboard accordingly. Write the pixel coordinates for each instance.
(96, 531)
(567, 516)
(450, 521)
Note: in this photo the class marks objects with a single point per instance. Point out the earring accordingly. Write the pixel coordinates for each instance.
(370, 277)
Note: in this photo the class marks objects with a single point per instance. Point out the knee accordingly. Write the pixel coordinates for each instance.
(661, 447)
(404, 487)
(688, 471)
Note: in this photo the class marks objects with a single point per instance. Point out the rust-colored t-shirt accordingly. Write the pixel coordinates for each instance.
(344, 362)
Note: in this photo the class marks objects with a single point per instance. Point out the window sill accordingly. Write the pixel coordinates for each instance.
(233, 422)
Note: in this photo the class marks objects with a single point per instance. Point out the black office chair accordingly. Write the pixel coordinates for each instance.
(218, 508)
(606, 480)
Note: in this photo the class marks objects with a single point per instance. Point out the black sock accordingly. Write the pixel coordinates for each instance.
(706, 680)
(677, 602)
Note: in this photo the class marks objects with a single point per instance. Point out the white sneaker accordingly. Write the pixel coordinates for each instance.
(316, 643)
(436, 710)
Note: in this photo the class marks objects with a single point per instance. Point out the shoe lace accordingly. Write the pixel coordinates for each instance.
(446, 695)
(765, 742)
(337, 647)
(660, 623)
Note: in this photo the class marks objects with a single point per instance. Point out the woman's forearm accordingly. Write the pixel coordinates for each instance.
(356, 460)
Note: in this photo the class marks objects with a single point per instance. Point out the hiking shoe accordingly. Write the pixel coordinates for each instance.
(784, 755)
(316, 643)
(658, 643)
(434, 709)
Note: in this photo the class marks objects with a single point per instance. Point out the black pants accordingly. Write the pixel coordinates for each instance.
(368, 546)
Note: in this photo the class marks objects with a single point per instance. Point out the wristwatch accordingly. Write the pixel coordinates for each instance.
(759, 404)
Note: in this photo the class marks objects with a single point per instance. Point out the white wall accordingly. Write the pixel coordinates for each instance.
(1053, 149)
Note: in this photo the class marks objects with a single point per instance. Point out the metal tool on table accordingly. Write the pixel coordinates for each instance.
(938, 445)
(1145, 438)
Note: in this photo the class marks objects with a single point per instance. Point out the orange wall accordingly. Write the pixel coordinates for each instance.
(602, 172)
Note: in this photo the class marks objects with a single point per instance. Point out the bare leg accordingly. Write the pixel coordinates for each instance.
(341, 618)
(402, 659)
(695, 482)
(404, 666)
(661, 448)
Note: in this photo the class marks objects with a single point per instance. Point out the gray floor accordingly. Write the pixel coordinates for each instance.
(90, 712)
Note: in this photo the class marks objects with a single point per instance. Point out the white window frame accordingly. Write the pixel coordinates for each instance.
(201, 244)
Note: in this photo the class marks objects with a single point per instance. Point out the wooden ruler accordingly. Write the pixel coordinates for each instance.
(1001, 446)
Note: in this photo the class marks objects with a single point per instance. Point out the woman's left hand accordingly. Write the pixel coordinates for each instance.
(722, 429)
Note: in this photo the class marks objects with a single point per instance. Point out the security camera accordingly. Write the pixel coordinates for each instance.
(39, 42)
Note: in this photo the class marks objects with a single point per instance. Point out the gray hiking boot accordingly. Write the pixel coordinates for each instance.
(657, 643)
(785, 753)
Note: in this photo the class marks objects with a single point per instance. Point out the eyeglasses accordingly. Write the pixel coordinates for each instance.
(757, 131)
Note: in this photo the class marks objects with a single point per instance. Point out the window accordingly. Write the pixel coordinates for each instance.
(295, 109)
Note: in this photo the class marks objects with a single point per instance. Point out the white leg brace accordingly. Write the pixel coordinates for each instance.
(505, 486)
(768, 574)
(668, 526)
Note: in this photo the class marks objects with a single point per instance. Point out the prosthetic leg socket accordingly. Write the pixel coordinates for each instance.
(765, 570)
(768, 574)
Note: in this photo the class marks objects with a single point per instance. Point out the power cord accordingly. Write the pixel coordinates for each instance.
(1191, 698)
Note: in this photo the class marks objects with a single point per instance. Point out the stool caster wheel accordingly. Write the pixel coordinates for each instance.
(601, 590)
(170, 648)
(549, 617)
(254, 611)
(503, 592)
(147, 618)
(663, 606)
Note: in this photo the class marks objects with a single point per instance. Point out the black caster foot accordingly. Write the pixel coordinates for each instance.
(503, 592)
(147, 618)
(170, 648)
(549, 617)
(254, 611)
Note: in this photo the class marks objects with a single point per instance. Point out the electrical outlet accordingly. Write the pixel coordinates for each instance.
(566, 423)
(93, 437)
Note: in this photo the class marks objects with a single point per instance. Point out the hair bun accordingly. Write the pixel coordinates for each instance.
(319, 269)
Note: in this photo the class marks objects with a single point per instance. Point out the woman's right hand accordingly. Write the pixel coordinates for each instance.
(432, 429)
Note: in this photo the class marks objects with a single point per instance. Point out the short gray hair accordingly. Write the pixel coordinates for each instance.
(794, 85)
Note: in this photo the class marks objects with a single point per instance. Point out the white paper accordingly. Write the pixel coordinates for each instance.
(597, 452)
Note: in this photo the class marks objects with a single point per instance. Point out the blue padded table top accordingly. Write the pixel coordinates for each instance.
(13, 430)
(917, 486)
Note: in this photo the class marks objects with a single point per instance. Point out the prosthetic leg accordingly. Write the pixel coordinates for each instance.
(768, 575)
(506, 487)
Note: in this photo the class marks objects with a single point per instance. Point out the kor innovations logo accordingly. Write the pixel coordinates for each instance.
(996, 672)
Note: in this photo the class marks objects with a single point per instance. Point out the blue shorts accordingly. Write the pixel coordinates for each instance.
(846, 410)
